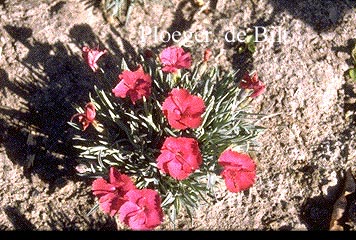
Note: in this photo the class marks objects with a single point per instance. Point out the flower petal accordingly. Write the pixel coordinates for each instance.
(121, 89)
(237, 180)
(142, 211)
(122, 181)
(133, 84)
(100, 186)
(175, 170)
(111, 203)
(182, 109)
(179, 157)
(258, 91)
(90, 111)
(91, 56)
(233, 158)
(174, 58)
(239, 170)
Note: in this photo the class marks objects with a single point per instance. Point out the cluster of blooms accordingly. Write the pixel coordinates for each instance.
(179, 157)
(140, 209)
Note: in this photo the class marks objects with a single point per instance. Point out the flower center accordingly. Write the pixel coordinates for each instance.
(177, 112)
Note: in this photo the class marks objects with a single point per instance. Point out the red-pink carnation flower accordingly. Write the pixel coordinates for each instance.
(142, 210)
(207, 55)
(183, 110)
(87, 117)
(91, 56)
(179, 157)
(239, 170)
(133, 84)
(174, 58)
(252, 82)
(111, 194)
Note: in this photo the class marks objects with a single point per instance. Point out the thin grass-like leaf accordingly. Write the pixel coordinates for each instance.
(93, 209)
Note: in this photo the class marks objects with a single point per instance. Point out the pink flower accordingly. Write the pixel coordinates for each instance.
(183, 110)
(179, 157)
(252, 82)
(142, 210)
(207, 55)
(87, 117)
(174, 58)
(239, 170)
(135, 84)
(111, 195)
(91, 56)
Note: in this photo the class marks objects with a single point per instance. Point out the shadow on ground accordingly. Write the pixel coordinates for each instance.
(36, 135)
(321, 15)
(18, 220)
(62, 222)
(337, 207)
(316, 213)
(57, 221)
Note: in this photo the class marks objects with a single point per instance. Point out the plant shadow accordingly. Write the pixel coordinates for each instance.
(349, 86)
(316, 213)
(18, 220)
(321, 15)
(36, 134)
(60, 221)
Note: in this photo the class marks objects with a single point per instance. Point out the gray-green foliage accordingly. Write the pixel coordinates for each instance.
(122, 9)
(132, 135)
(352, 71)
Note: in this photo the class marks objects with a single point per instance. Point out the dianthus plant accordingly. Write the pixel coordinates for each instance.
(160, 137)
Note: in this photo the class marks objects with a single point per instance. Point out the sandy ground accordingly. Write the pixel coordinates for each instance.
(309, 105)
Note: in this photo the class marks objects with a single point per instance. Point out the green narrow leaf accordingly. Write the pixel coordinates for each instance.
(352, 73)
(353, 54)
(76, 126)
(99, 159)
(173, 215)
(251, 47)
(106, 99)
(93, 209)
(109, 5)
(117, 7)
(169, 199)
(124, 65)
(128, 13)
(113, 115)
(149, 120)
(208, 111)
(250, 39)
(241, 49)
(211, 180)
